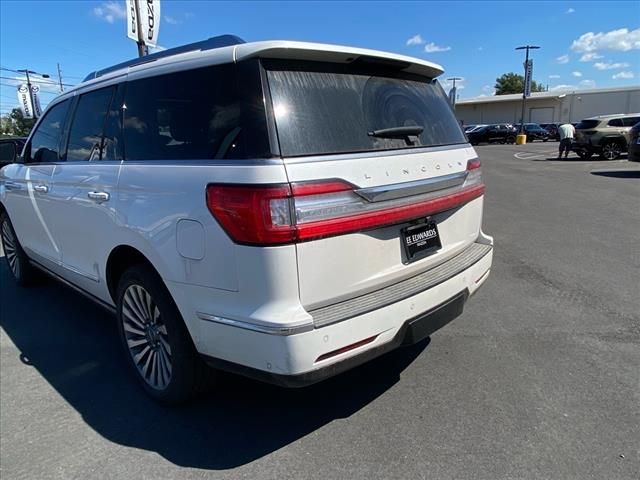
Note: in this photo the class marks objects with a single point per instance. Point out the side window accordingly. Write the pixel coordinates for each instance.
(630, 121)
(87, 128)
(7, 152)
(209, 113)
(616, 122)
(45, 142)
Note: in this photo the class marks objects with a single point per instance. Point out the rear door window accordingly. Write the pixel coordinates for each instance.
(209, 113)
(328, 108)
(616, 122)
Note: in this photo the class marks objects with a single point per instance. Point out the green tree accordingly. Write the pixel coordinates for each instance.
(514, 83)
(15, 124)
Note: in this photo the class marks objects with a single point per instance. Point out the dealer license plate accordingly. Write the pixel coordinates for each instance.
(420, 240)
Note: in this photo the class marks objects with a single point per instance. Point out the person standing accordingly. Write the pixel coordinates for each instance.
(567, 133)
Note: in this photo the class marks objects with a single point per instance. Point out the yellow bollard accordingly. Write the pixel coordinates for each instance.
(521, 139)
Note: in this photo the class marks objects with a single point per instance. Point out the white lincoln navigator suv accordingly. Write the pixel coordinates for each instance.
(278, 209)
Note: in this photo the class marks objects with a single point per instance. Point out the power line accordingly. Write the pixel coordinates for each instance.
(46, 82)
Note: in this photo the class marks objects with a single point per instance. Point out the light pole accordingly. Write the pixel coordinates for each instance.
(524, 93)
(453, 91)
(26, 71)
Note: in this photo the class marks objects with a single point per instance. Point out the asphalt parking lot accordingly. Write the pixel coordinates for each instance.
(539, 378)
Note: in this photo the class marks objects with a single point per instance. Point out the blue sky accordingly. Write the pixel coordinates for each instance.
(584, 44)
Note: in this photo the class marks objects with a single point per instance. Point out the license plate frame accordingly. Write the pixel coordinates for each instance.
(420, 240)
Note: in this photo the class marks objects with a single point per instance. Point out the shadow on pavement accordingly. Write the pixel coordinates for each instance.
(617, 173)
(74, 345)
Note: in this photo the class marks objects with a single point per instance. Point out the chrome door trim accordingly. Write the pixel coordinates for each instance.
(407, 189)
(374, 153)
(273, 329)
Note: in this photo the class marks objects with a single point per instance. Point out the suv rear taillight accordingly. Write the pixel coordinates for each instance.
(289, 213)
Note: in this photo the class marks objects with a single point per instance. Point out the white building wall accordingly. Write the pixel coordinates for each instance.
(570, 107)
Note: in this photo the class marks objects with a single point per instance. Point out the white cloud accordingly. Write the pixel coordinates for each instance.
(563, 59)
(488, 89)
(110, 11)
(554, 76)
(571, 10)
(416, 40)
(562, 87)
(622, 39)
(583, 84)
(610, 66)
(171, 20)
(432, 47)
(623, 75)
(576, 74)
(589, 57)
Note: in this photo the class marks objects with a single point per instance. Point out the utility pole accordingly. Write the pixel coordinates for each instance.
(524, 90)
(60, 79)
(140, 42)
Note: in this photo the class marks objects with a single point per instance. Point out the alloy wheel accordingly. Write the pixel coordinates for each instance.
(10, 247)
(146, 336)
(611, 151)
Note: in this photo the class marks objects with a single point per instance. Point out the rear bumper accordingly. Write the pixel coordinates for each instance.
(310, 356)
(412, 331)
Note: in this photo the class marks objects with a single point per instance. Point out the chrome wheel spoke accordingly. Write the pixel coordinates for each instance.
(136, 343)
(146, 337)
(10, 249)
(132, 316)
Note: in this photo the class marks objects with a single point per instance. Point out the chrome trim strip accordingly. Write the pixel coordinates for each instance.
(391, 294)
(268, 329)
(407, 189)
(374, 154)
(79, 273)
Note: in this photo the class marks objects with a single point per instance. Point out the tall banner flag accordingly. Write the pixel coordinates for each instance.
(24, 100)
(528, 73)
(143, 21)
(35, 95)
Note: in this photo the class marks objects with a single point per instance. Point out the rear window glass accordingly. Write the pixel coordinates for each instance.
(324, 108)
(630, 121)
(209, 113)
(584, 124)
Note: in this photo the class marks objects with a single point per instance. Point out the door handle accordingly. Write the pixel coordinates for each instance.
(41, 188)
(98, 196)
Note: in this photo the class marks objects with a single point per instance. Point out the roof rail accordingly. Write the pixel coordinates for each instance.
(209, 44)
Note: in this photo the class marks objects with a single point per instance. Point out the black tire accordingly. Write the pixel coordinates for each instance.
(545, 140)
(165, 338)
(611, 150)
(18, 263)
(510, 139)
(584, 154)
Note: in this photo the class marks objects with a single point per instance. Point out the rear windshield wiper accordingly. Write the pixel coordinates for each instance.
(397, 132)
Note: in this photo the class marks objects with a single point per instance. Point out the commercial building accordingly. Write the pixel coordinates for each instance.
(547, 107)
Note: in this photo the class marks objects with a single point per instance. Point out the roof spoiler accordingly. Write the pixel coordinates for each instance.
(209, 44)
